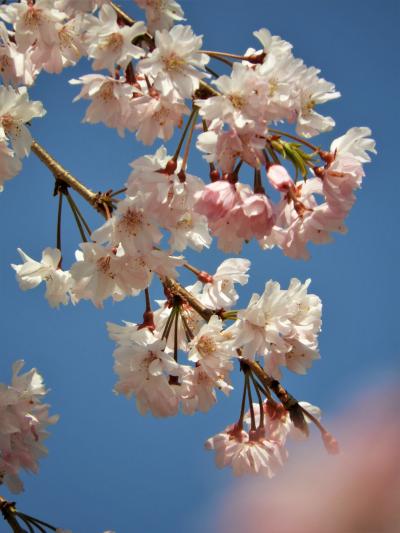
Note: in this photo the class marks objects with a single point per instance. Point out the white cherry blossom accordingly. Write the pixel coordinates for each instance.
(211, 349)
(16, 68)
(34, 23)
(220, 293)
(245, 453)
(111, 100)
(161, 14)
(176, 62)
(111, 44)
(313, 91)
(10, 165)
(159, 115)
(239, 103)
(143, 367)
(15, 111)
(197, 392)
(31, 273)
(131, 225)
(281, 325)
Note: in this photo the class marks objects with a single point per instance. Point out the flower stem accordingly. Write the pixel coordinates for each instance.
(120, 191)
(252, 416)
(179, 147)
(289, 402)
(37, 522)
(176, 335)
(81, 217)
(212, 72)
(295, 138)
(168, 324)
(243, 404)
(59, 215)
(260, 400)
(186, 327)
(189, 140)
(76, 216)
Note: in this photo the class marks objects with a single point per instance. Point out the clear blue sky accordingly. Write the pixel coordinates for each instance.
(108, 467)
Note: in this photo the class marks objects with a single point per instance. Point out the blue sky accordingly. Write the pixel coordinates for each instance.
(108, 467)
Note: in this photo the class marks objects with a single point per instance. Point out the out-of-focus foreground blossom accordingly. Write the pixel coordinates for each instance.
(357, 491)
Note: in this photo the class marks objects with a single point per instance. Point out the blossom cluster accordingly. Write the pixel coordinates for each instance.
(281, 325)
(146, 89)
(15, 139)
(150, 78)
(23, 425)
(261, 450)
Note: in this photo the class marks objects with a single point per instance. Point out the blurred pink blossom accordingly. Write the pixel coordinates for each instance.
(357, 491)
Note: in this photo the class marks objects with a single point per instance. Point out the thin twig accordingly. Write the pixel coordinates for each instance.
(76, 216)
(59, 215)
(62, 174)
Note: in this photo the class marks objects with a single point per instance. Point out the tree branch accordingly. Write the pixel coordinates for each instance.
(62, 174)
(8, 511)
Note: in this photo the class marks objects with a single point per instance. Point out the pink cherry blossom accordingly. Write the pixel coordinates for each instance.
(279, 178)
(245, 453)
(23, 425)
(216, 200)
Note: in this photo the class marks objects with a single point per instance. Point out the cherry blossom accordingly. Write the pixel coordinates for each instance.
(282, 325)
(31, 273)
(131, 226)
(344, 174)
(238, 104)
(224, 148)
(34, 23)
(197, 392)
(143, 367)
(220, 291)
(279, 178)
(278, 425)
(16, 68)
(313, 91)
(65, 51)
(158, 115)
(23, 428)
(245, 453)
(161, 14)
(15, 111)
(175, 62)
(110, 44)
(211, 349)
(110, 100)
(76, 7)
(244, 214)
(157, 82)
(301, 219)
(10, 165)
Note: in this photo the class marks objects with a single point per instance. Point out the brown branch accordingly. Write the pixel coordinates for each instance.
(102, 202)
(8, 511)
(288, 401)
(62, 174)
(98, 201)
(121, 13)
(180, 291)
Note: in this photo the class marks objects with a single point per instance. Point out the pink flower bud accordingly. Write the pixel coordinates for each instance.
(279, 178)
